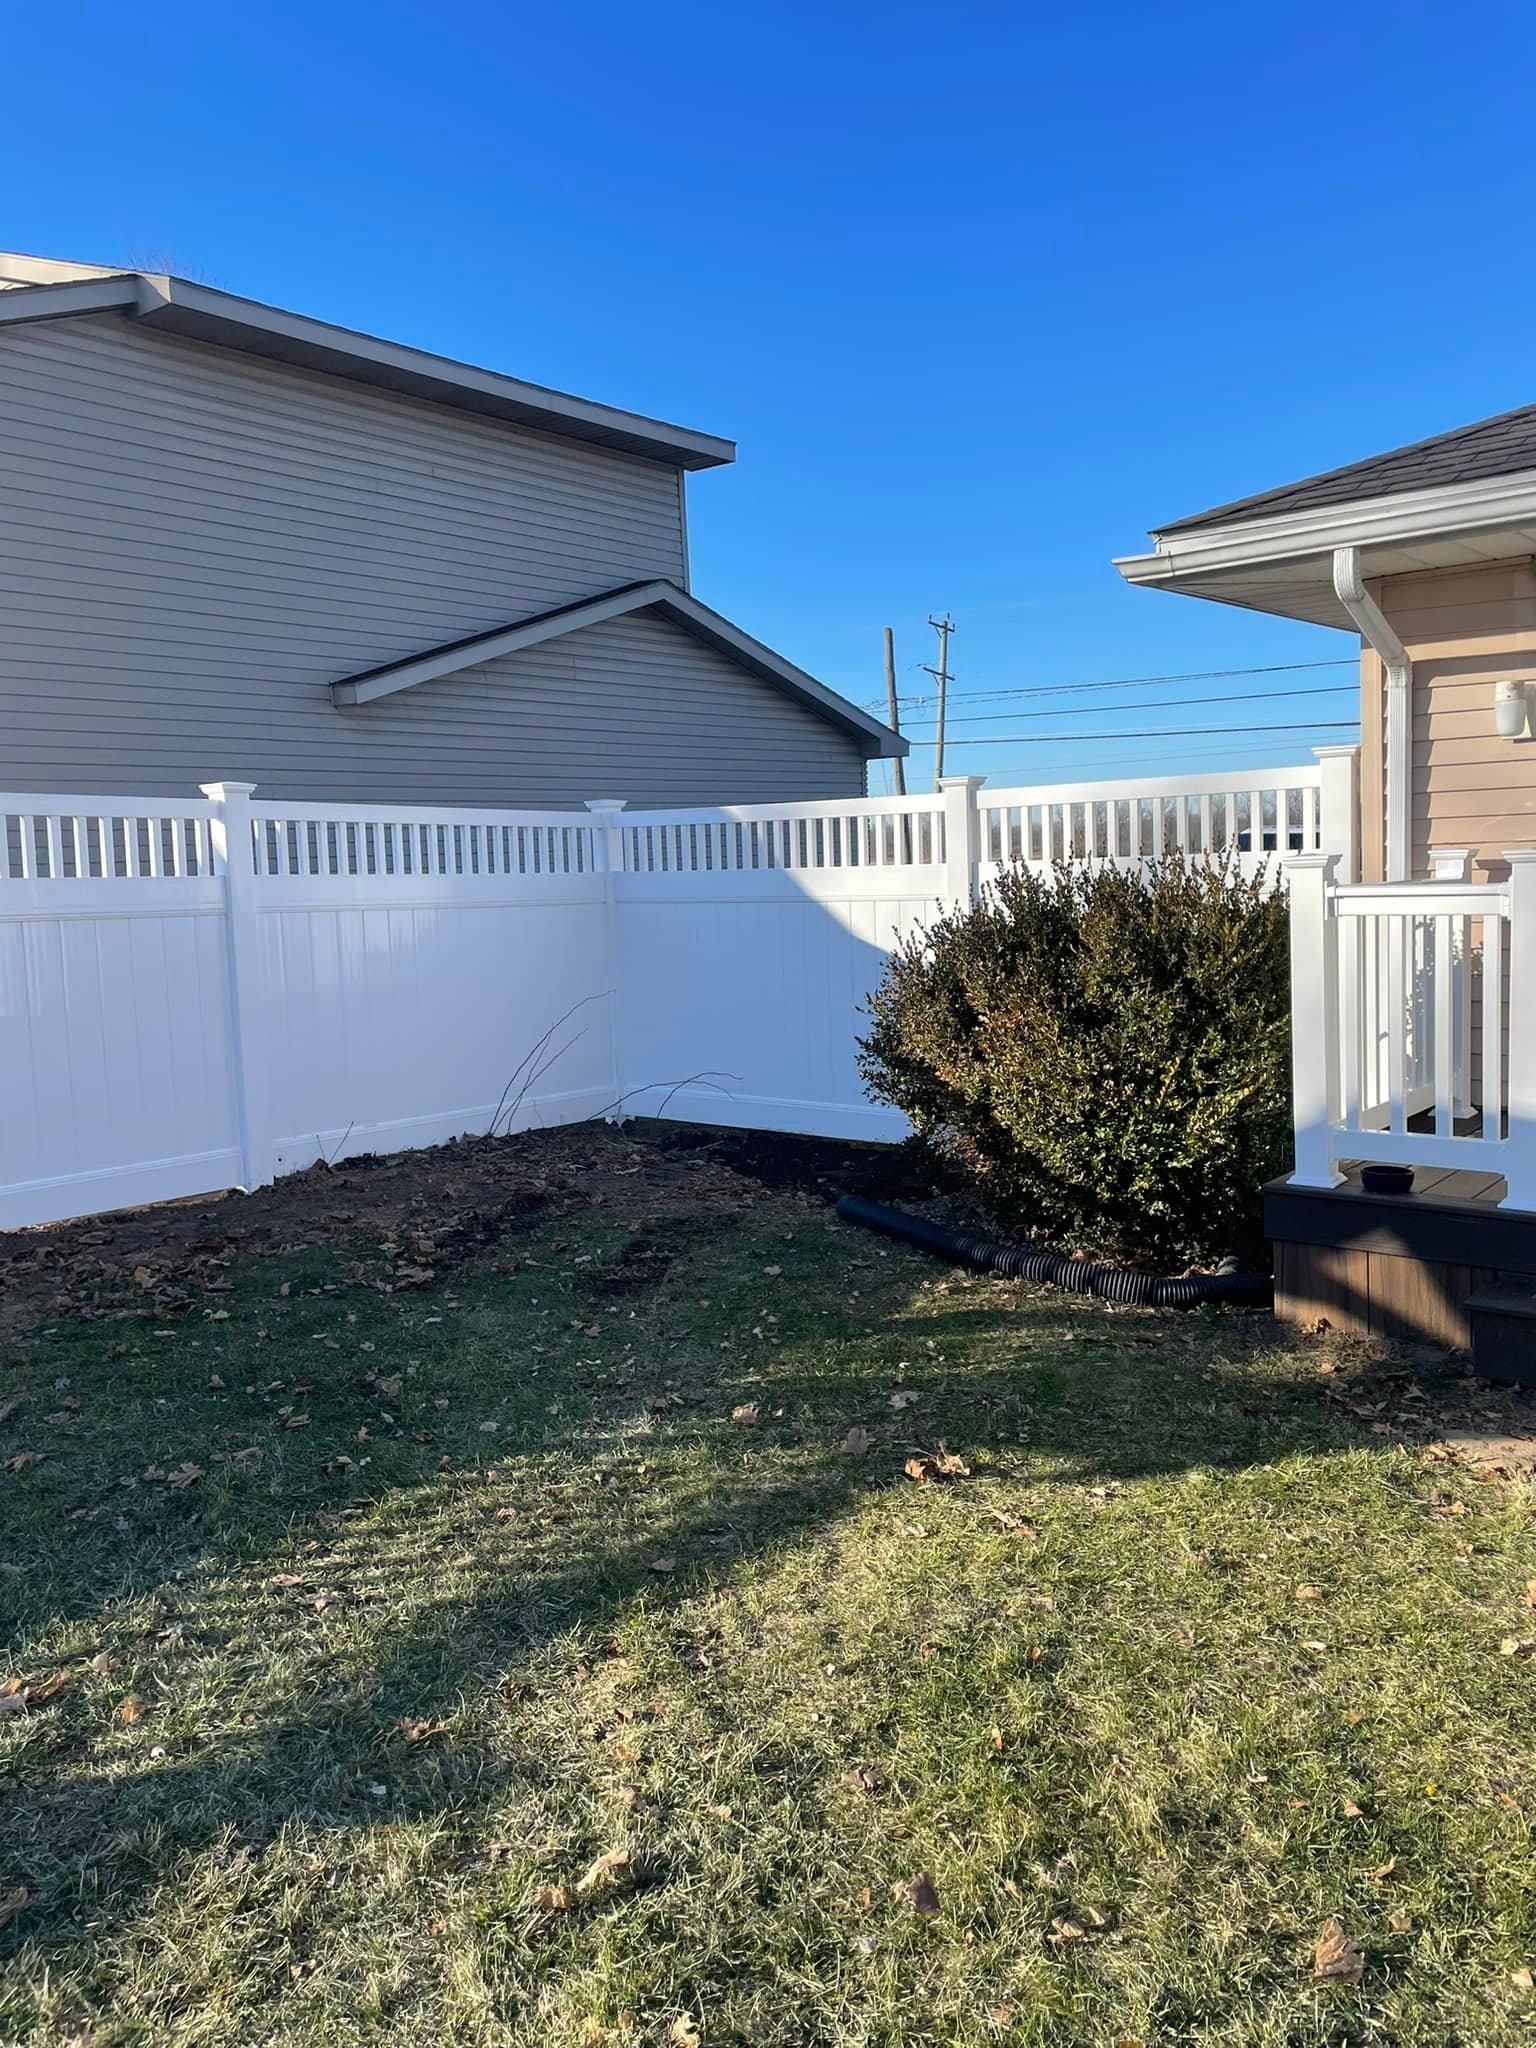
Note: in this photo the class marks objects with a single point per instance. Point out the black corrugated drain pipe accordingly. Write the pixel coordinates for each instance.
(1078, 1276)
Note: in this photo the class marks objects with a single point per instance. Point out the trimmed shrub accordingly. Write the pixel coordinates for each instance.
(1106, 1053)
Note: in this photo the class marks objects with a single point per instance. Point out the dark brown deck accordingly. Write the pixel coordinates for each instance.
(1397, 1266)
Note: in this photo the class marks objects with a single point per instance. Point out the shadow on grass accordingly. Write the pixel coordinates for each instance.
(1014, 1377)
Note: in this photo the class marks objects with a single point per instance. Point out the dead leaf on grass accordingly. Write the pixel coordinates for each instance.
(862, 1779)
(936, 1467)
(855, 1443)
(1335, 1959)
(662, 1564)
(12, 1703)
(1518, 1646)
(922, 1894)
(130, 1710)
(1308, 1593)
(23, 1461)
(903, 1398)
(421, 1731)
(1522, 1980)
(745, 1412)
(390, 1388)
(553, 1898)
(685, 2033)
(186, 1474)
(1400, 1920)
(604, 1871)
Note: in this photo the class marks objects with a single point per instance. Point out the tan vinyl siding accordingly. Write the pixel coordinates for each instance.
(1464, 629)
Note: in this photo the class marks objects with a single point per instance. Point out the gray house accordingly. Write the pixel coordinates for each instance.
(239, 542)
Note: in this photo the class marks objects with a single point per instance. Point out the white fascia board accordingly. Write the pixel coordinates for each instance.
(202, 313)
(27, 302)
(1360, 523)
(447, 661)
(685, 610)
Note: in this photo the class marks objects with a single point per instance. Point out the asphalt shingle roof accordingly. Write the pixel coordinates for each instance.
(1491, 447)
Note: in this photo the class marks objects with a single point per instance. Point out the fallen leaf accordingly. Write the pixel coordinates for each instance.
(131, 1709)
(1518, 1646)
(862, 1779)
(11, 1903)
(662, 1564)
(1400, 1920)
(1522, 1980)
(553, 1898)
(684, 2034)
(602, 1872)
(923, 1896)
(47, 1689)
(1063, 1931)
(933, 1467)
(856, 1442)
(1352, 1811)
(390, 1388)
(1309, 1593)
(12, 1703)
(745, 1412)
(903, 1398)
(421, 1731)
(23, 1460)
(186, 1474)
(1335, 1959)
(1384, 1870)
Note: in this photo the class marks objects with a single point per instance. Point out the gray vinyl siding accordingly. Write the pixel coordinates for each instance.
(633, 708)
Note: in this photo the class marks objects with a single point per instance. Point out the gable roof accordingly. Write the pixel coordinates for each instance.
(657, 595)
(1498, 446)
(43, 288)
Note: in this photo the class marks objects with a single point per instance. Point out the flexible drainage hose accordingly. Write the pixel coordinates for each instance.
(1023, 1262)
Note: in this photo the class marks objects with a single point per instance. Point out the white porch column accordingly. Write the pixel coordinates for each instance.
(1450, 864)
(1339, 808)
(1520, 1165)
(962, 838)
(608, 839)
(229, 836)
(1314, 1019)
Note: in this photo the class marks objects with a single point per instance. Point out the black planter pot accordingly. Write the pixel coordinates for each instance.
(1382, 1179)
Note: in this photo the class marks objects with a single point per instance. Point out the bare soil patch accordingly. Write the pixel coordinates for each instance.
(413, 1217)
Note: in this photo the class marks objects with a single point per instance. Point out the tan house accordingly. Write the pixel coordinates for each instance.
(1414, 929)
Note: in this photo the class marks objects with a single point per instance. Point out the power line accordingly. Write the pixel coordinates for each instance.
(1074, 739)
(1166, 704)
(1206, 675)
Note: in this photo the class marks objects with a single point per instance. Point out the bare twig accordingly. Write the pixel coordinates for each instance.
(707, 1076)
(531, 1056)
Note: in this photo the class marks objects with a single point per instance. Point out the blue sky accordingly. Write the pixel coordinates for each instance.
(981, 291)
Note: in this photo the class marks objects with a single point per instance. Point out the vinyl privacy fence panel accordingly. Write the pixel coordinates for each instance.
(317, 980)
(203, 994)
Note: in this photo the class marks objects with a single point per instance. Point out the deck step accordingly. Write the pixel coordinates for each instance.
(1503, 1323)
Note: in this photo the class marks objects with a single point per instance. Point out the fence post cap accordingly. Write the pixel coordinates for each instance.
(216, 792)
(1520, 856)
(1308, 861)
(1338, 751)
(961, 781)
(600, 804)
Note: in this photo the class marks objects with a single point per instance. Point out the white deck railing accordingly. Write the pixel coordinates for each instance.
(1412, 1008)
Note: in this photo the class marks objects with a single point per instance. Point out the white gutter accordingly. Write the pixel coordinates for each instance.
(1378, 634)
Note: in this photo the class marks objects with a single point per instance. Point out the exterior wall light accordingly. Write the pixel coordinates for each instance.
(1511, 711)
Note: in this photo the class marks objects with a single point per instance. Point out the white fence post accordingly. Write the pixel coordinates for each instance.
(1520, 1168)
(1339, 808)
(962, 838)
(229, 836)
(609, 835)
(1314, 1018)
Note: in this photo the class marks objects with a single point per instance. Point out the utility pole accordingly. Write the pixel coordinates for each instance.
(943, 627)
(892, 714)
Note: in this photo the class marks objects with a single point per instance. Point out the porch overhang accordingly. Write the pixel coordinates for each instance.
(1283, 564)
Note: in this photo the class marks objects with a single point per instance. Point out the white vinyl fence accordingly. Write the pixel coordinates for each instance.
(204, 994)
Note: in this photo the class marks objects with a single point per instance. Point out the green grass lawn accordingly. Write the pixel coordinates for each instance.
(455, 1665)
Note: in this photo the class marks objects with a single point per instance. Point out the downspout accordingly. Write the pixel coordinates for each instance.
(1378, 634)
